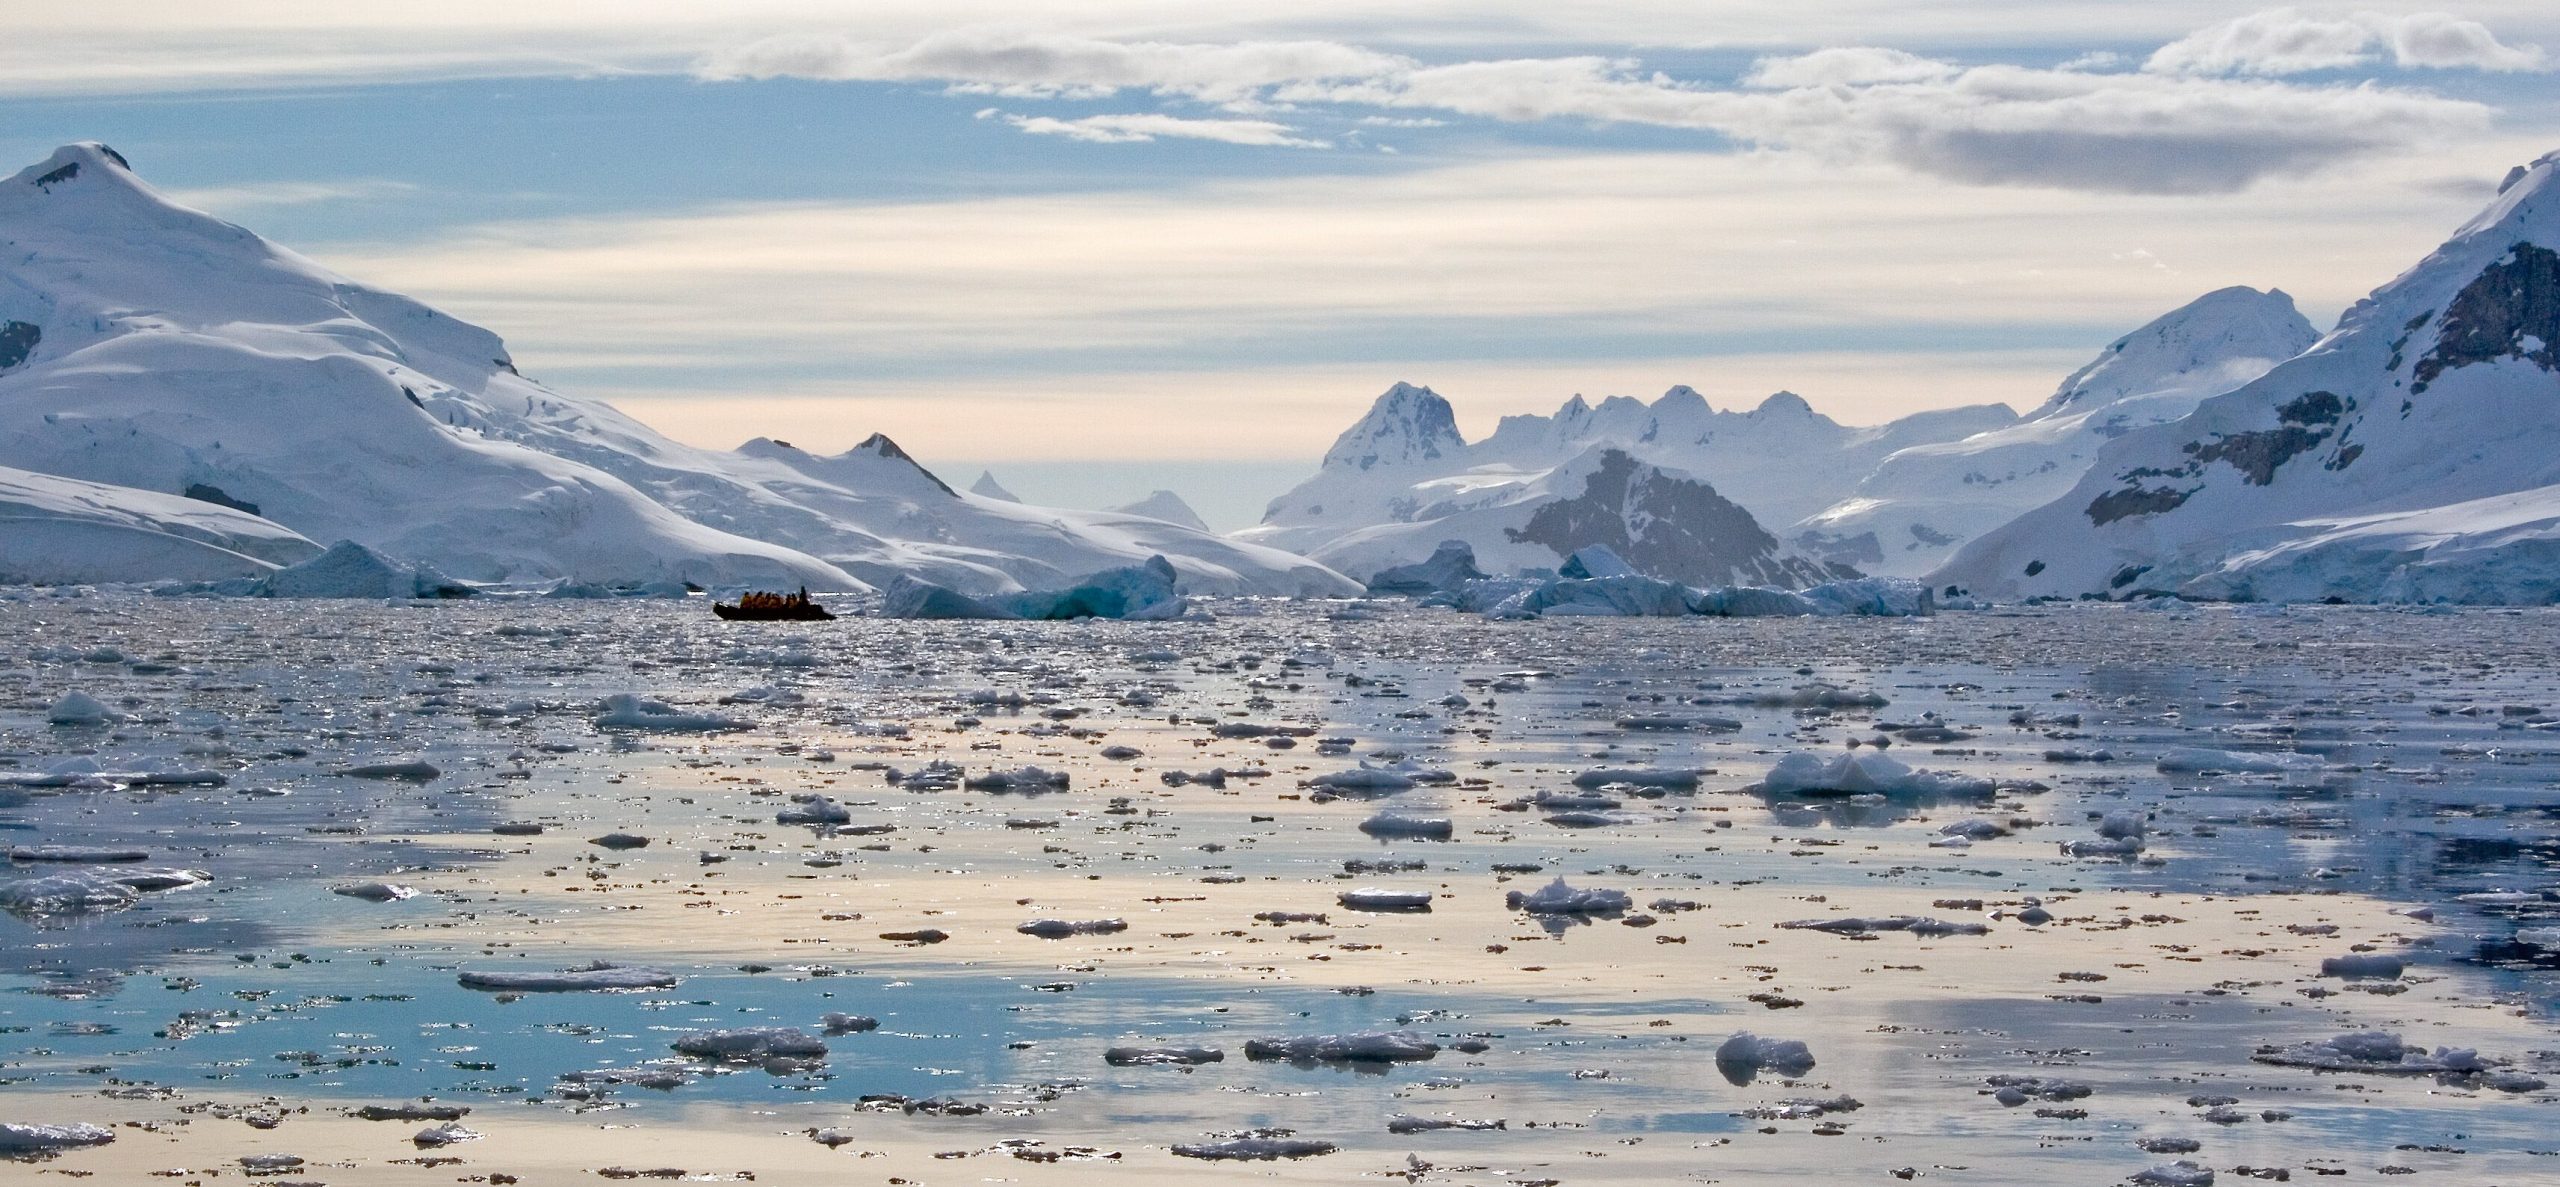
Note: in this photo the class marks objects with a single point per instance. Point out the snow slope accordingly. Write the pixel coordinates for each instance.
(2411, 453)
(63, 531)
(1404, 464)
(147, 345)
(1922, 503)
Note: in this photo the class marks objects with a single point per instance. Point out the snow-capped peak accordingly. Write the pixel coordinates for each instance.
(986, 487)
(1786, 405)
(1167, 506)
(2214, 343)
(1406, 424)
(71, 163)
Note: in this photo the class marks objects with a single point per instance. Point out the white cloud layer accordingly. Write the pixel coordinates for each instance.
(1140, 127)
(2202, 117)
(2290, 41)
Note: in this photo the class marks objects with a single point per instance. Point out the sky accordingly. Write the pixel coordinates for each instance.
(1113, 245)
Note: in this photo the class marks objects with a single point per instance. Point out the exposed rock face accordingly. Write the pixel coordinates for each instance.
(2511, 310)
(18, 340)
(1667, 526)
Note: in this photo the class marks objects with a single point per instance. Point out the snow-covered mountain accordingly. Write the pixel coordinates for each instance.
(1922, 503)
(1167, 506)
(987, 487)
(1664, 523)
(2410, 454)
(146, 345)
(1404, 468)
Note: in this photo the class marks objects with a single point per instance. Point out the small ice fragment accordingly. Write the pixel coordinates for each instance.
(415, 770)
(2375, 965)
(1056, 929)
(375, 892)
(1400, 824)
(597, 977)
(1373, 898)
(23, 1138)
(76, 708)
(1556, 898)
(1746, 1054)
(1384, 1046)
(750, 1043)
(1152, 1056)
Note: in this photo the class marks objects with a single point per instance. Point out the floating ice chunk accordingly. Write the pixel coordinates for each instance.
(750, 1043)
(1864, 772)
(351, 570)
(25, 1138)
(2181, 1173)
(1364, 780)
(631, 711)
(154, 881)
(1254, 1149)
(1877, 597)
(846, 1024)
(1746, 1054)
(619, 841)
(2364, 965)
(1151, 1056)
(77, 893)
(414, 770)
(1851, 925)
(269, 1163)
(1674, 723)
(2103, 847)
(1973, 828)
(1374, 898)
(375, 892)
(76, 708)
(1058, 929)
(2374, 1051)
(2196, 760)
(1670, 779)
(1020, 779)
(447, 1134)
(814, 809)
(1452, 565)
(1399, 824)
(1405, 1123)
(86, 855)
(1376, 1046)
(413, 1111)
(1556, 898)
(597, 977)
(2123, 826)
(1143, 592)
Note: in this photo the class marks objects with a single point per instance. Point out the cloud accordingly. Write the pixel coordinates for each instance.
(1022, 63)
(1143, 127)
(2446, 42)
(286, 193)
(1845, 66)
(2283, 41)
(2002, 125)
(2201, 118)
